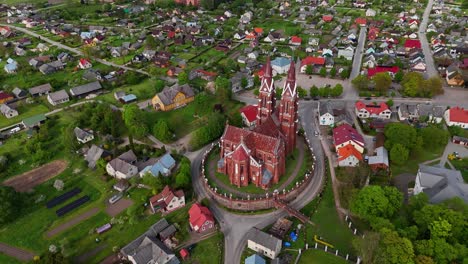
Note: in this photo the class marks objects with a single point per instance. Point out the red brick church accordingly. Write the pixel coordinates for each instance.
(258, 156)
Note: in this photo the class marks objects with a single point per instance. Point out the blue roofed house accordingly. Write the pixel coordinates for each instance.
(11, 66)
(280, 65)
(255, 259)
(128, 98)
(162, 167)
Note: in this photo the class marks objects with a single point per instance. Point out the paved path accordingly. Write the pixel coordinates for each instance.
(231, 188)
(73, 50)
(430, 66)
(74, 221)
(18, 253)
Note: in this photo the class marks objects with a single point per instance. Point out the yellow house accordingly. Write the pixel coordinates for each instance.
(173, 97)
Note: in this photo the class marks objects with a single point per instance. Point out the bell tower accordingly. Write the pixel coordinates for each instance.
(266, 96)
(288, 109)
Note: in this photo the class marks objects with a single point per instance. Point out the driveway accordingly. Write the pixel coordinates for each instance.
(116, 208)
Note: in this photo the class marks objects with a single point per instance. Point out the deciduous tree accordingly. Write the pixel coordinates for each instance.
(399, 154)
(360, 83)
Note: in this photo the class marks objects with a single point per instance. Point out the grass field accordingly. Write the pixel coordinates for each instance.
(24, 111)
(8, 259)
(320, 257)
(208, 251)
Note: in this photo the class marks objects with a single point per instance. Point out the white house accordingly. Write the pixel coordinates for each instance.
(122, 167)
(83, 136)
(58, 97)
(370, 12)
(264, 243)
(456, 116)
(280, 65)
(7, 111)
(168, 200)
(347, 53)
(84, 64)
(349, 156)
(372, 110)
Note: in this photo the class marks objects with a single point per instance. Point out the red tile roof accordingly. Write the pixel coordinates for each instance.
(327, 18)
(250, 112)
(258, 30)
(348, 150)
(4, 95)
(240, 153)
(345, 133)
(199, 214)
(361, 21)
(458, 114)
(252, 139)
(184, 253)
(309, 60)
(412, 44)
(296, 39)
(84, 61)
(373, 71)
(371, 108)
(166, 195)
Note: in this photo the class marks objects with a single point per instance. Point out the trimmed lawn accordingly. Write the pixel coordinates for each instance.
(143, 90)
(8, 259)
(208, 251)
(24, 111)
(320, 257)
(413, 162)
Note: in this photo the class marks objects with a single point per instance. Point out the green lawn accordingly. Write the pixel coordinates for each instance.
(462, 166)
(143, 90)
(208, 251)
(8, 259)
(24, 111)
(320, 257)
(413, 162)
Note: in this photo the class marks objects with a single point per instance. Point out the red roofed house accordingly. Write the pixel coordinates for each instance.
(249, 115)
(346, 135)
(295, 40)
(309, 60)
(373, 110)
(200, 218)
(412, 44)
(258, 156)
(84, 64)
(373, 33)
(348, 156)
(456, 116)
(5, 97)
(167, 201)
(327, 18)
(259, 31)
(184, 254)
(392, 70)
(361, 21)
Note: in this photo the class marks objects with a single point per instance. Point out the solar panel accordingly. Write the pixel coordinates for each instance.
(71, 206)
(62, 198)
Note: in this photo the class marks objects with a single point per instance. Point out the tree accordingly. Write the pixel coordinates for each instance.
(52, 258)
(389, 102)
(399, 154)
(403, 134)
(10, 204)
(309, 70)
(151, 42)
(133, 78)
(155, 182)
(314, 91)
(399, 76)
(333, 72)
(323, 72)
(344, 74)
(360, 83)
(183, 178)
(412, 84)
(134, 120)
(337, 90)
(382, 81)
(3, 162)
(223, 89)
(183, 78)
(440, 229)
(421, 259)
(301, 92)
(434, 137)
(68, 138)
(159, 85)
(256, 80)
(434, 85)
(161, 131)
(394, 249)
(375, 201)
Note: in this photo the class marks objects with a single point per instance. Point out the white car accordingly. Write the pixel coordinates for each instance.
(115, 198)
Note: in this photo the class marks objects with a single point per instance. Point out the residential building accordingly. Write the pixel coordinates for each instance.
(162, 167)
(456, 116)
(147, 248)
(173, 97)
(167, 201)
(348, 156)
(249, 115)
(94, 154)
(7, 111)
(280, 65)
(380, 160)
(5, 97)
(83, 136)
(201, 219)
(19, 93)
(58, 97)
(258, 156)
(34, 121)
(264, 243)
(40, 90)
(408, 112)
(84, 64)
(255, 259)
(313, 61)
(392, 70)
(123, 166)
(440, 184)
(434, 113)
(83, 90)
(344, 135)
(346, 53)
(332, 113)
(372, 110)
(460, 140)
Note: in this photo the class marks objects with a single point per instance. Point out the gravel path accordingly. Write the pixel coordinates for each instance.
(17, 253)
(74, 221)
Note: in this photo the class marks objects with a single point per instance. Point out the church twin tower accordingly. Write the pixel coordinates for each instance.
(286, 111)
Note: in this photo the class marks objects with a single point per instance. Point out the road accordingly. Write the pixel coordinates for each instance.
(73, 50)
(430, 66)
(349, 92)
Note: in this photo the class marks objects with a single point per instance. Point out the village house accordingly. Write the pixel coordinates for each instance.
(84, 64)
(344, 135)
(11, 66)
(83, 90)
(19, 93)
(440, 184)
(456, 116)
(201, 219)
(348, 156)
(7, 111)
(162, 167)
(312, 61)
(5, 97)
(280, 65)
(380, 160)
(460, 140)
(123, 166)
(83, 136)
(408, 112)
(255, 259)
(264, 243)
(34, 121)
(372, 110)
(346, 53)
(40, 90)
(167, 201)
(94, 154)
(58, 97)
(332, 114)
(249, 115)
(173, 97)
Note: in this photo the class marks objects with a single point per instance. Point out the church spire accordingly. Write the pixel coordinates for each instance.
(289, 88)
(267, 78)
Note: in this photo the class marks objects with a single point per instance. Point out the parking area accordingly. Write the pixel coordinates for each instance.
(118, 207)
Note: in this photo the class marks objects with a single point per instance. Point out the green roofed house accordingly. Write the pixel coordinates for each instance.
(34, 121)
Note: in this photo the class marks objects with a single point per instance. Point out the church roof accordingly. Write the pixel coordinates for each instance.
(252, 139)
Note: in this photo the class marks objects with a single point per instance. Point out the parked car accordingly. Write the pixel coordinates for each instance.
(15, 130)
(115, 198)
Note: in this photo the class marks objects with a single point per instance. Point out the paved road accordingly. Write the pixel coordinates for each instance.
(17, 253)
(73, 50)
(430, 66)
(349, 92)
